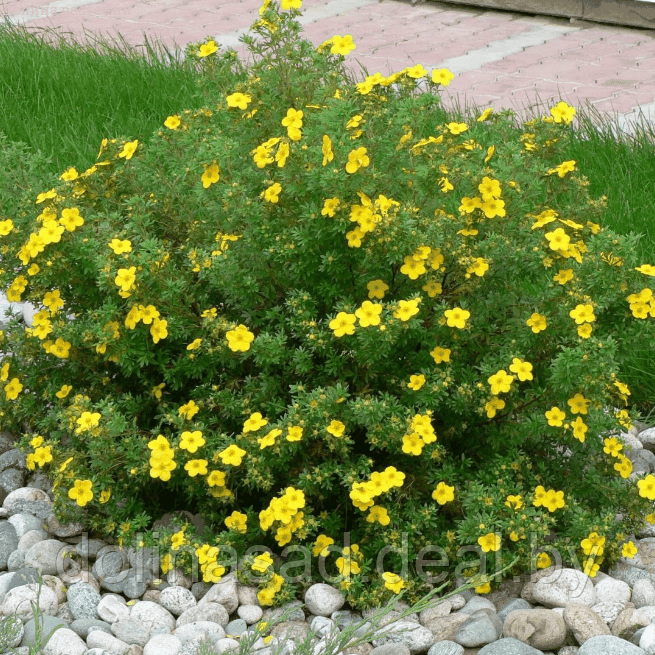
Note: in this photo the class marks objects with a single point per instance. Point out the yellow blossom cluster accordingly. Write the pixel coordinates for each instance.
(285, 511)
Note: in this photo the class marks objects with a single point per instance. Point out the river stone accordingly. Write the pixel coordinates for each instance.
(48, 624)
(628, 622)
(323, 599)
(82, 627)
(131, 631)
(11, 479)
(28, 500)
(540, 628)
(511, 606)
(65, 642)
(447, 627)
(134, 585)
(153, 616)
(446, 648)
(83, 601)
(584, 622)
(416, 637)
(8, 542)
(643, 593)
(17, 601)
(609, 590)
(607, 645)
(11, 632)
(564, 586)
(204, 612)
(482, 628)
(25, 523)
(250, 613)
(49, 556)
(177, 600)
(509, 646)
(224, 593)
(13, 459)
(112, 608)
(608, 611)
(437, 611)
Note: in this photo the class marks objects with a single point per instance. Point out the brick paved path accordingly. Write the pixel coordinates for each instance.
(500, 59)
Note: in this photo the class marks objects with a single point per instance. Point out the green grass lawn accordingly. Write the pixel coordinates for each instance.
(62, 99)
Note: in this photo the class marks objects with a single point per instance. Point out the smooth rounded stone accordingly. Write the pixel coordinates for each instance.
(13, 459)
(384, 620)
(207, 629)
(647, 639)
(416, 637)
(608, 611)
(442, 609)
(110, 568)
(28, 500)
(57, 586)
(177, 600)
(629, 574)
(153, 616)
(83, 601)
(70, 578)
(11, 479)
(16, 560)
(477, 603)
(250, 613)
(131, 631)
(227, 644)
(643, 593)
(510, 646)
(49, 556)
(11, 632)
(540, 628)
(512, 605)
(610, 590)
(321, 625)
(112, 608)
(144, 560)
(290, 630)
(608, 645)
(649, 611)
(134, 584)
(562, 586)
(584, 622)
(152, 595)
(8, 542)
(24, 575)
(89, 548)
(163, 645)
(65, 614)
(393, 648)
(236, 627)
(65, 642)
(224, 593)
(323, 599)
(628, 622)
(296, 613)
(100, 639)
(48, 624)
(177, 578)
(446, 628)
(62, 530)
(17, 601)
(247, 595)
(30, 538)
(199, 589)
(647, 439)
(446, 648)
(214, 612)
(83, 626)
(482, 628)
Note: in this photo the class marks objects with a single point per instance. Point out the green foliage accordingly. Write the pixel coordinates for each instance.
(365, 319)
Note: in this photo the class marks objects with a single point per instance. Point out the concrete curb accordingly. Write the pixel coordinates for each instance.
(631, 13)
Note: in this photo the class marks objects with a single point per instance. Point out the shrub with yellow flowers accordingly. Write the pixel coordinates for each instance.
(323, 306)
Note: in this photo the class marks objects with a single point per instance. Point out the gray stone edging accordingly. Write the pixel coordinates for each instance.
(630, 13)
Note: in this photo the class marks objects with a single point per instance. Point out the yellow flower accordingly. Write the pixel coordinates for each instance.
(87, 421)
(207, 49)
(294, 433)
(583, 313)
(406, 309)
(629, 550)
(443, 76)
(514, 502)
(196, 467)
(216, 479)
(554, 500)
(500, 382)
(336, 428)
(119, 247)
(555, 417)
(483, 588)
(416, 381)
(368, 314)
(522, 369)
(457, 317)
(239, 339)
(272, 194)
(237, 522)
(269, 439)
(342, 45)
(211, 175)
(393, 582)
(81, 493)
(543, 561)
(189, 410)
(13, 389)
(612, 447)
(537, 322)
(343, 324)
(356, 160)
(489, 542)
(261, 562)
(443, 493)
(440, 354)
(377, 289)
(321, 546)
(647, 487)
(239, 100)
(232, 455)
(255, 422)
(177, 540)
(191, 441)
